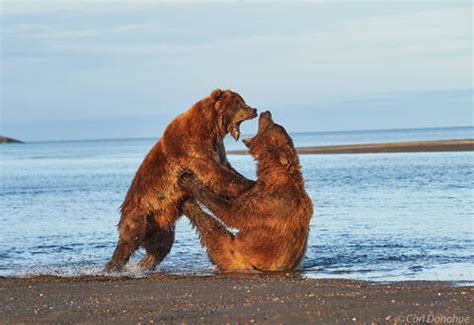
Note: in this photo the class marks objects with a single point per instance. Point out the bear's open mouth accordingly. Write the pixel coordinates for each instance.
(241, 116)
(235, 131)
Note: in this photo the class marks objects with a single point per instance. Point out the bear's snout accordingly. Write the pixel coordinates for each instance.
(253, 112)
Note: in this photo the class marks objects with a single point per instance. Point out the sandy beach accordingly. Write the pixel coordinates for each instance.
(409, 146)
(236, 298)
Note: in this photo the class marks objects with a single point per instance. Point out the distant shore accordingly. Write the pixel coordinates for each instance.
(8, 140)
(389, 147)
(271, 299)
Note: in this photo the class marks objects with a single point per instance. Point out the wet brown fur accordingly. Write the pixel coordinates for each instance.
(192, 141)
(272, 217)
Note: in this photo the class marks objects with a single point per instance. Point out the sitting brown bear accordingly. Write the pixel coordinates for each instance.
(192, 141)
(272, 217)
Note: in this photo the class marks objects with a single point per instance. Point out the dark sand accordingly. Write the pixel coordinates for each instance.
(411, 146)
(276, 299)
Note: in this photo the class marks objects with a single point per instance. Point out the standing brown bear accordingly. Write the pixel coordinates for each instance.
(192, 141)
(272, 217)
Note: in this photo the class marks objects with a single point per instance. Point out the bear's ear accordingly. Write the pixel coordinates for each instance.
(286, 162)
(216, 94)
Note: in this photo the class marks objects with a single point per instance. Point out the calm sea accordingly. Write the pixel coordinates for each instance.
(381, 217)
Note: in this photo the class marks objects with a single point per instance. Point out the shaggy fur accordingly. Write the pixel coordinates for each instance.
(272, 217)
(193, 141)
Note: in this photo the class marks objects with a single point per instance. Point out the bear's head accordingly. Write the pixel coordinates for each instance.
(272, 145)
(232, 111)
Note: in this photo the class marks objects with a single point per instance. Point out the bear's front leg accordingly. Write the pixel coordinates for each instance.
(225, 209)
(218, 178)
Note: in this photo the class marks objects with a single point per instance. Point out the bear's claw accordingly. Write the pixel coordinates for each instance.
(188, 180)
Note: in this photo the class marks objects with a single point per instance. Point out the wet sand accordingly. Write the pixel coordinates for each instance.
(411, 146)
(276, 299)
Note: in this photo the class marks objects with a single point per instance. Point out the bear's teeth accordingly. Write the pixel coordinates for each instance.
(235, 133)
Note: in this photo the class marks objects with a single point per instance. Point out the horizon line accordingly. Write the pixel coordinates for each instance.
(302, 132)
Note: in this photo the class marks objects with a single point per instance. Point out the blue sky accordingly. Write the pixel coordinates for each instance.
(90, 69)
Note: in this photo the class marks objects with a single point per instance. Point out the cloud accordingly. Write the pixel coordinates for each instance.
(362, 55)
(45, 32)
(15, 7)
(33, 7)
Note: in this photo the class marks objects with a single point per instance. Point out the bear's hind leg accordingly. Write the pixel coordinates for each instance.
(159, 236)
(219, 242)
(157, 244)
(131, 234)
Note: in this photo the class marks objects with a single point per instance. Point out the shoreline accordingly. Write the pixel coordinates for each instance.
(388, 147)
(242, 298)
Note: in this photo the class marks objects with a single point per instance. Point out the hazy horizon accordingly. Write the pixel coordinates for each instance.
(292, 133)
(107, 70)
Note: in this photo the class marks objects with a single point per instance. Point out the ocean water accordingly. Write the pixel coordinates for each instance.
(378, 217)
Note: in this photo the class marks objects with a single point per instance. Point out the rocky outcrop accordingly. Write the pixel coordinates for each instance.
(8, 140)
